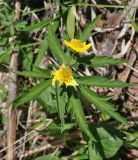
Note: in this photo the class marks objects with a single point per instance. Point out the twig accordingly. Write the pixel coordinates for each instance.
(132, 68)
(135, 98)
(29, 136)
(39, 149)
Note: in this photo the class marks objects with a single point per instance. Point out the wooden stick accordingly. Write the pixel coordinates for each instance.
(12, 117)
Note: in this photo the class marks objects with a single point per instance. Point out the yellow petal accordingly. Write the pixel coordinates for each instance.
(67, 43)
(77, 45)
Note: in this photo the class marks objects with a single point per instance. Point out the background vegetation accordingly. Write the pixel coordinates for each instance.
(95, 120)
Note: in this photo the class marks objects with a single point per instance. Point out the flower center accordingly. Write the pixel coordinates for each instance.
(77, 43)
(65, 74)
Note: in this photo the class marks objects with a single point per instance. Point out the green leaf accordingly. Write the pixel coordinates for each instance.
(104, 116)
(82, 152)
(20, 24)
(61, 103)
(76, 108)
(91, 156)
(93, 151)
(41, 53)
(99, 61)
(55, 46)
(100, 81)
(102, 97)
(29, 45)
(53, 130)
(79, 1)
(28, 60)
(38, 25)
(102, 105)
(3, 92)
(47, 99)
(89, 27)
(68, 126)
(47, 157)
(55, 24)
(33, 93)
(132, 137)
(109, 141)
(4, 57)
(39, 73)
(71, 22)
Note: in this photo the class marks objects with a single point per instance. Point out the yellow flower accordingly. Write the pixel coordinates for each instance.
(77, 45)
(64, 75)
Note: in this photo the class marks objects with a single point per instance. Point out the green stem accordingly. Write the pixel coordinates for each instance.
(57, 100)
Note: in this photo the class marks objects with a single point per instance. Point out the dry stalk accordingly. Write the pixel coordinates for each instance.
(38, 150)
(12, 116)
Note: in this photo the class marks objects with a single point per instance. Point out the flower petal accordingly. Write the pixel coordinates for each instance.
(77, 45)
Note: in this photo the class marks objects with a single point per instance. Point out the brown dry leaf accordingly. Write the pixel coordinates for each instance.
(102, 20)
(113, 18)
